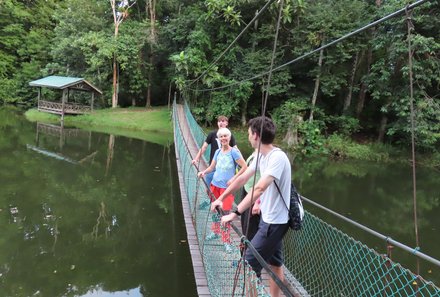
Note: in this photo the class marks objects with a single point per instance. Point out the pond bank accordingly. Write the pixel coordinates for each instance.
(153, 125)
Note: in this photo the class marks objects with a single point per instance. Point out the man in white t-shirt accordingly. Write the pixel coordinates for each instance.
(274, 168)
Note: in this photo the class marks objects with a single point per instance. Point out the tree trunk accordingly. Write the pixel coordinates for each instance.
(364, 87)
(243, 114)
(115, 73)
(152, 11)
(347, 101)
(150, 77)
(317, 81)
(169, 96)
(382, 128)
(291, 137)
(245, 104)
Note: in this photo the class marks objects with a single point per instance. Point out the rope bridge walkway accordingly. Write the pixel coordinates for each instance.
(320, 260)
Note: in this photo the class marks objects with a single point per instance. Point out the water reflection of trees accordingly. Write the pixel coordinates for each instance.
(379, 192)
(57, 248)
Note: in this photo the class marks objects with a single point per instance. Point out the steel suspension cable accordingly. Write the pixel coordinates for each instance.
(263, 9)
(413, 150)
(362, 29)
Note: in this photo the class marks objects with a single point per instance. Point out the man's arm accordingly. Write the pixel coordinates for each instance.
(261, 186)
(200, 153)
(237, 184)
(250, 198)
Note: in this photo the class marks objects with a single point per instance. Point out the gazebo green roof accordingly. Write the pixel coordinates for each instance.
(63, 82)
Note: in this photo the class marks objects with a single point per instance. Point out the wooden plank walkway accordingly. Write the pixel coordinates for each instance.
(193, 242)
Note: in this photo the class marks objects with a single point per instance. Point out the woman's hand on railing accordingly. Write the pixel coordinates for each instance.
(215, 204)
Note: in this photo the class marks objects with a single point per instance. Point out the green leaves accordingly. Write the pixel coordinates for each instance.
(223, 9)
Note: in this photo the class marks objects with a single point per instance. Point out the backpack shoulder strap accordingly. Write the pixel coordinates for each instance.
(279, 191)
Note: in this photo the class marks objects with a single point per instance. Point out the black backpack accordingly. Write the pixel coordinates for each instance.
(296, 209)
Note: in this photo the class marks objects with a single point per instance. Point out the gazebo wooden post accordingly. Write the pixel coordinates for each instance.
(93, 99)
(39, 97)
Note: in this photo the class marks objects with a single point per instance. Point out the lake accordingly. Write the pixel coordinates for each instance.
(88, 214)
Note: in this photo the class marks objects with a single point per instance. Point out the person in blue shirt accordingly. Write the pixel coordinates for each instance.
(224, 164)
(213, 141)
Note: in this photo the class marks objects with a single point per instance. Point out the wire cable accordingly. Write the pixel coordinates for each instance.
(234, 41)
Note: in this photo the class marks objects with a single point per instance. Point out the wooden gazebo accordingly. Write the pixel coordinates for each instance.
(66, 84)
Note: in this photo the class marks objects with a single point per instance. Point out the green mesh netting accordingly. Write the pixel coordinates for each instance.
(320, 260)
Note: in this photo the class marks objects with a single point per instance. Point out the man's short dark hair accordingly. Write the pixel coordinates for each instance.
(268, 133)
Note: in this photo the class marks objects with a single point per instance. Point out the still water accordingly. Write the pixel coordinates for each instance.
(87, 214)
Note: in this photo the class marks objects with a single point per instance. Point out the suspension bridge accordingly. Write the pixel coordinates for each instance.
(320, 260)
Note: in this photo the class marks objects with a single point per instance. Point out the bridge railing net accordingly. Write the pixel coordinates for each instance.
(320, 260)
(197, 132)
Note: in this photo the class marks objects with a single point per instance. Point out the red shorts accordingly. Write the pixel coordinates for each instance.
(227, 202)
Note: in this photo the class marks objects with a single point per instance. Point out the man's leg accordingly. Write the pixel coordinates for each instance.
(274, 289)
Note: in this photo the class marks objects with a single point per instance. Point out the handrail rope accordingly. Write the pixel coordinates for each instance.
(234, 41)
(374, 23)
(375, 233)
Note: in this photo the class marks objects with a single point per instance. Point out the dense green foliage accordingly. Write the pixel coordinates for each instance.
(358, 87)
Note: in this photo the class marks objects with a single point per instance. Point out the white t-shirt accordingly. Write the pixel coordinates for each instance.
(277, 165)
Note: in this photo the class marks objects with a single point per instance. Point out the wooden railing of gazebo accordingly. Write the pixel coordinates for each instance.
(57, 107)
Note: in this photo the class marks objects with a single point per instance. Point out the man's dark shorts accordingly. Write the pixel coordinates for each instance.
(269, 243)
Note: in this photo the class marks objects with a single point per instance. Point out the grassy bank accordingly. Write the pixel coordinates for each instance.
(153, 125)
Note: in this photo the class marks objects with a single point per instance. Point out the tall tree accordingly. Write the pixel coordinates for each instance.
(120, 13)
(26, 29)
(151, 7)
